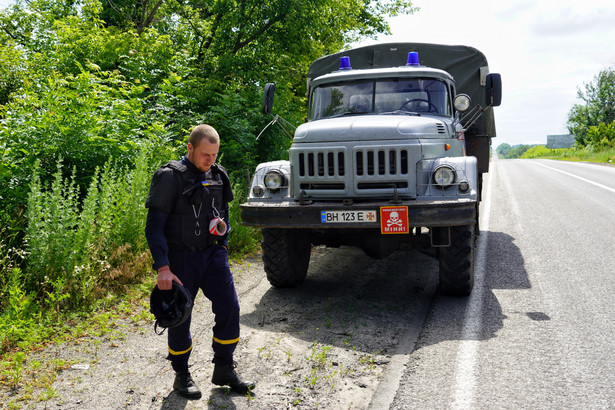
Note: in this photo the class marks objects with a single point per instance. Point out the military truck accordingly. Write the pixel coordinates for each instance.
(391, 157)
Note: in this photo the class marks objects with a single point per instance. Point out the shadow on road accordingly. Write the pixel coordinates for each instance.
(503, 268)
(349, 299)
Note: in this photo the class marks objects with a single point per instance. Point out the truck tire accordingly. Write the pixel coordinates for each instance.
(457, 262)
(286, 256)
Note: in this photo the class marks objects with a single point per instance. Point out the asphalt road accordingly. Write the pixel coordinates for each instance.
(537, 331)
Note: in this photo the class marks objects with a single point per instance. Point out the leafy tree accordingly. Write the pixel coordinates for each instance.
(598, 107)
(12, 71)
(127, 14)
(516, 151)
(503, 149)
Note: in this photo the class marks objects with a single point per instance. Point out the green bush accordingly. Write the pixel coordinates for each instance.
(600, 137)
(70, 247)
(242, 239)
(20, 310)
(601, 152)
(541, 151)
(517, 151)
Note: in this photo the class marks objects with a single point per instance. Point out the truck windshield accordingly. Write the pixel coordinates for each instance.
(380, 96)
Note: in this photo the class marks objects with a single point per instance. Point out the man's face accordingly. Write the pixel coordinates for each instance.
(203, 155)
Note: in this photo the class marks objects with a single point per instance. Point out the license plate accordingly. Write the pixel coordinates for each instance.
(348, 216)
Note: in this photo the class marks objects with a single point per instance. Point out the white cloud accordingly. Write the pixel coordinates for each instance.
(572, 20)
(545, 51)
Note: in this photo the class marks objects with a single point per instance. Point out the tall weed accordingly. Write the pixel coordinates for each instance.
(19, 311)
(74, 246)
(52, 218)
(130, 212)
(10, 258)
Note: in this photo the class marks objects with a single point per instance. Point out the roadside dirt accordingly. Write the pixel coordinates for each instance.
(324, 345)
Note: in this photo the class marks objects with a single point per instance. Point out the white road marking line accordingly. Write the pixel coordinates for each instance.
(577, 177)
(467, 355)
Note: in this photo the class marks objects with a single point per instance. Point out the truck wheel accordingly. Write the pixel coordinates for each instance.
(457, 262)
(286, 256)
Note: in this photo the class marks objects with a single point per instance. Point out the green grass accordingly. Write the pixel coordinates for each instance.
(572, 154)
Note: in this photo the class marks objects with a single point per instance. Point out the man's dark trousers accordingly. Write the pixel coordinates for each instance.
(209, 271)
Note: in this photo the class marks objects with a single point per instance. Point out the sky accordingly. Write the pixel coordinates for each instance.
(545, 51)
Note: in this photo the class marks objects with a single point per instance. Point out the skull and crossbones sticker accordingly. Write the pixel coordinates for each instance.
(394, 219)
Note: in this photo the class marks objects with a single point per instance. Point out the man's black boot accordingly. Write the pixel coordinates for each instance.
(224, 375)
(185, 386)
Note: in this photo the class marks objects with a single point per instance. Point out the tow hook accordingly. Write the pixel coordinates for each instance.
(303, 200)
(395, 200)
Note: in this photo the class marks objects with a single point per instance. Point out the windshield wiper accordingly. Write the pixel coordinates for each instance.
(401, 112)
(350, 113)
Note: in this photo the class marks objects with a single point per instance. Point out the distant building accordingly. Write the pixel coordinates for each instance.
(560, 141)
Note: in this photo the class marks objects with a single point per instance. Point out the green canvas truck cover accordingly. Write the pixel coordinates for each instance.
(467, 65)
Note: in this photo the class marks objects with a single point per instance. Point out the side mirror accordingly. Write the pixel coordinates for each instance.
(268, 98)
(493, 89)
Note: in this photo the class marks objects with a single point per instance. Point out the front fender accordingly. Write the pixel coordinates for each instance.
(258, 190)
(465, 169)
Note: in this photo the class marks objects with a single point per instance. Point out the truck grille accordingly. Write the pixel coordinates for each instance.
(381, 169)
(367, 170)
(381, 162)
(321, 164)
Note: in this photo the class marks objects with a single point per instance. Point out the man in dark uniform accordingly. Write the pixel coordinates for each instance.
(187, 232)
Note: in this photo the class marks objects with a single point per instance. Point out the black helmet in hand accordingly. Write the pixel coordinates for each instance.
(171, 307)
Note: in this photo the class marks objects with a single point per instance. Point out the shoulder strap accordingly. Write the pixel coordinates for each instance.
(176, 165)
(181, 172)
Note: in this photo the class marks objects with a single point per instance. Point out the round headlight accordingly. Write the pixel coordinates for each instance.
(444, 176)
(274, 180)
(462, 102)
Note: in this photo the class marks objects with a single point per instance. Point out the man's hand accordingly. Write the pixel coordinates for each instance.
(166, 278)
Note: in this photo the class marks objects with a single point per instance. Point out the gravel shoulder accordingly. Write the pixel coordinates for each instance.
(325, 344)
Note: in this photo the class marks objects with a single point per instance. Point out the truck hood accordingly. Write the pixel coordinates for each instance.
(370, 127)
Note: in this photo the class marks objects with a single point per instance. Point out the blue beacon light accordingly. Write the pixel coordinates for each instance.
(345, 63)
(413, 58)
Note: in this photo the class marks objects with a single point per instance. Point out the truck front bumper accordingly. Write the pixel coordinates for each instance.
(421, 213)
